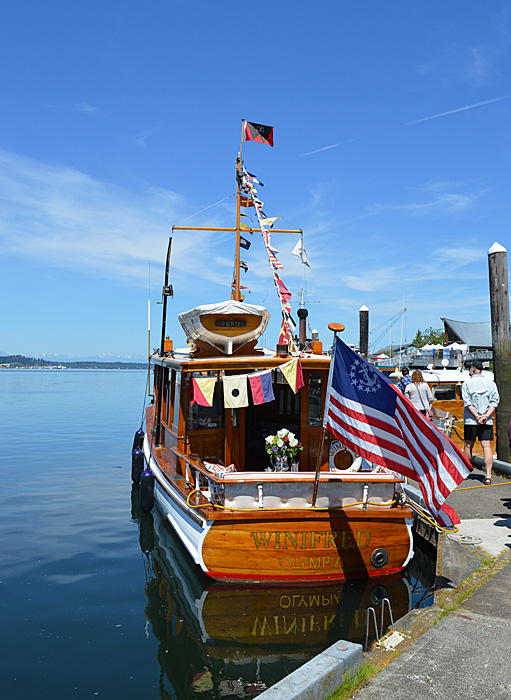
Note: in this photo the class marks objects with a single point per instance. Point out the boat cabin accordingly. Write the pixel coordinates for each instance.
(224, 338)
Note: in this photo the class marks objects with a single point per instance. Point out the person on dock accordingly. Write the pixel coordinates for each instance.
(406, 379)
(419, 393)
(480, 399)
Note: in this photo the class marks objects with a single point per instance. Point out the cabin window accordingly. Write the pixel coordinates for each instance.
(207, 417)
(171, 388)
(289, 403)
(315, 399)
(177, 394)
(443, 392)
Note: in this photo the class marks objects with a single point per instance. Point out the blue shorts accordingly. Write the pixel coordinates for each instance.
(483, 432)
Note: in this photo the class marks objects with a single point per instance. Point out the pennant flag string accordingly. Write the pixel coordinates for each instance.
(288, 326)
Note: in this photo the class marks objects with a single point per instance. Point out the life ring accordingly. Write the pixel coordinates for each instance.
(335, 447)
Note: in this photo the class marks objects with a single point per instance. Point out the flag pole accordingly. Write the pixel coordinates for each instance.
(336, 328)
(236, 291)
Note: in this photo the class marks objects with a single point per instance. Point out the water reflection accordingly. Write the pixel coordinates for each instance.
(220, 640)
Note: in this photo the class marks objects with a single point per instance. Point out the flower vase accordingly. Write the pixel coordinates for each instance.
(280, 463)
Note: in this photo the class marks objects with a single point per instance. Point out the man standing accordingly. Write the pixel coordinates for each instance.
(480, 399)
(405, 380)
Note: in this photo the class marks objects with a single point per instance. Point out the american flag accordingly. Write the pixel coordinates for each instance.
(366, 412)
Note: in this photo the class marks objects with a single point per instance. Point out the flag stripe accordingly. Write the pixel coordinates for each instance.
(368, 414)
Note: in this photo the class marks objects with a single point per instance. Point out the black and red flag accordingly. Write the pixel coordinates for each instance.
(259, 133)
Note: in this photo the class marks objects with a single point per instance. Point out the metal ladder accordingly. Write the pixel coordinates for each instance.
(378, 633)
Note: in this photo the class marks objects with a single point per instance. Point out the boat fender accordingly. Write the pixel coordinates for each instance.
(138, 439)
(336, 447)
(146, 538)
(379, 557)
(146, 490)
(137, 464)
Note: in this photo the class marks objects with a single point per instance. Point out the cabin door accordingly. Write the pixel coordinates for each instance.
(235, 437)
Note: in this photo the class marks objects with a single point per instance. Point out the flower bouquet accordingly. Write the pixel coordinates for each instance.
(283, 444)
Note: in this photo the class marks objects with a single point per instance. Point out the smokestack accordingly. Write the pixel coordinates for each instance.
(364, 331)
(302, 334)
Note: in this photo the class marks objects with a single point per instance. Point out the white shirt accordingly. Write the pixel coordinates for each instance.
(481, 393)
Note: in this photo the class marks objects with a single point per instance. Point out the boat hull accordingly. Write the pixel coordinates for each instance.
(289, 545)
(316, 546)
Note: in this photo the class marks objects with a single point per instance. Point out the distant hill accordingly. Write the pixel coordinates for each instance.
(20, 362)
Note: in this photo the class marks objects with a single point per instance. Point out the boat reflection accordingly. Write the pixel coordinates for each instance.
(227, 640)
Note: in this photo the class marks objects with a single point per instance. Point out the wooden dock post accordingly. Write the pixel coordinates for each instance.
(501, 341)
(363, 345)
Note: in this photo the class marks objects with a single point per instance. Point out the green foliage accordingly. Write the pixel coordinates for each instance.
(431, 336)
(354, 680)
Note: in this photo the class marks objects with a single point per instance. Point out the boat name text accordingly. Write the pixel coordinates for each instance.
(230, 323)
(309, 540)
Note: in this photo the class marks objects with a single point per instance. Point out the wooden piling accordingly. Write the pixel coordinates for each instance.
(364, 331)
(501, 342)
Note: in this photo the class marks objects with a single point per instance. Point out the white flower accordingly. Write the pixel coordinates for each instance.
(282, 433)
(293, 442)
(280, 443)
(269, 439)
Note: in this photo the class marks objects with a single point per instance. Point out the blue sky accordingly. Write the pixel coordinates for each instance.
(119, 119)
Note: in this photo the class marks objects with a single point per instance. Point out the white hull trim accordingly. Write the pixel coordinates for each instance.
(191, 529)
(409, 525)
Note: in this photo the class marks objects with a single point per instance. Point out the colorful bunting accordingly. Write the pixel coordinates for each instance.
(203, 389)
(269, 222)
(292, 371)
(235, 391)
(252, 177)
(299, 250)
(261, 387)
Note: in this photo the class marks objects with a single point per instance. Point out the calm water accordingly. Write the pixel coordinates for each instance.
(99, 600)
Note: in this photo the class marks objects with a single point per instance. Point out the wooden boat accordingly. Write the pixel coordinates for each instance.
(329, 516)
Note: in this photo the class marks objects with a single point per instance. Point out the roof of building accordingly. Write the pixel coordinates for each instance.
(472, 334)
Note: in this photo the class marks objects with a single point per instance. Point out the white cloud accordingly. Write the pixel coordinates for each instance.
(459, 109)
(85, 108)
(64, 218)
(441, 202)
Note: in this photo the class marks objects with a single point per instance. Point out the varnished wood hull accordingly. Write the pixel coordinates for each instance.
(289, 545)
(317, 546)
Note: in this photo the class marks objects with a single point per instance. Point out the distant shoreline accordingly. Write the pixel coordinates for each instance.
(21, 362)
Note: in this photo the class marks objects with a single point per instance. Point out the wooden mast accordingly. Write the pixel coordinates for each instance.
(236, 291)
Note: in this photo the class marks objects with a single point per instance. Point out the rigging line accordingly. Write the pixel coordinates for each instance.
(205, 209)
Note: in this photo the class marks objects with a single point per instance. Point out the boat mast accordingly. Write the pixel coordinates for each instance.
(166, 292)
(235, 294)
